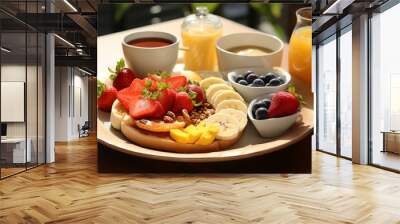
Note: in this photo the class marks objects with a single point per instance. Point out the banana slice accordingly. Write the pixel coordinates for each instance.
(210, 92)
(226, 95)
(213, 97)
(238, 115)
(234, 104)
(228, 126)
(118, 111)
(205, 83)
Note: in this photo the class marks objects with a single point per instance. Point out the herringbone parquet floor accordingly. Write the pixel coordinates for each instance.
(71, 191)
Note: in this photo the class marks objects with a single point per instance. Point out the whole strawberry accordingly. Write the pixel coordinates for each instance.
(283, 104)
(122, 77)
(105, 96)
(182, 101)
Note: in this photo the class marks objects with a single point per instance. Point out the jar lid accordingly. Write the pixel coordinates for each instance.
(202, 18)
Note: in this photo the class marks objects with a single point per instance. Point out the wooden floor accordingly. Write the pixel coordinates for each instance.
(71, 191)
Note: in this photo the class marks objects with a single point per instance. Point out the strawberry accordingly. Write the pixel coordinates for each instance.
(151, 83)
(137, 86)
(159, 111)
(133, 91)
(106, 96)
(167, 99)
(283, 104)
(122, 77)
(176, 82)
(200, 96)
(141, 107)
(182, 101)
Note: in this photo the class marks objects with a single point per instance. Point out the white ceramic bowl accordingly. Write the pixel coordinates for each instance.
(271, 127)
(228, 60)
(144, 60)
(248, 92)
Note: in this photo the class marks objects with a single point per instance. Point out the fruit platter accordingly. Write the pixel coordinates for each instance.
(185, 94)
(199, 116)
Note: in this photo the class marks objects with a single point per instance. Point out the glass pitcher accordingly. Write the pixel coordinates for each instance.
(300, 47)
(200, 32)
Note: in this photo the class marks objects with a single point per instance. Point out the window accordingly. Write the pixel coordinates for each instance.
(385, 89)
(22, 75)
(334, 106)
(346, 93)
(326, 96)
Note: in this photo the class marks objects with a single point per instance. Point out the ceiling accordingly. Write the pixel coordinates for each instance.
(332, 15)
(73, 20)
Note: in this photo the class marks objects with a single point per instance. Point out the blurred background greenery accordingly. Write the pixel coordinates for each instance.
(275, 18)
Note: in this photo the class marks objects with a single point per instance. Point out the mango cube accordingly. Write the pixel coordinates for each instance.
(213, 128)
(179, 136)
(206, 138)
(194, 132)
(202, 124)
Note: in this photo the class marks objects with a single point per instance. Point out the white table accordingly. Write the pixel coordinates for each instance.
(18, 150)
(251, 144)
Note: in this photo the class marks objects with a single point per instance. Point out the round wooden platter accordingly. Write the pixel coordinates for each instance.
(248, 145)
(162, 141)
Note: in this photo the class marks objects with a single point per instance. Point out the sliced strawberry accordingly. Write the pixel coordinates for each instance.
(153, 83)
(142, 108)
(176, 82)
(167, 99)
(182, 101)
(159, 111)
(137, 86)
(126, 95)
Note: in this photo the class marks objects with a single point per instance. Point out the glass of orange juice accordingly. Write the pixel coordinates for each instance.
(300, 47)
(199, 36)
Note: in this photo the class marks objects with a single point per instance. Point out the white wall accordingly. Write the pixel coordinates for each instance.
(33, 127)
(61, 103)
(70, 83)
(12, 73)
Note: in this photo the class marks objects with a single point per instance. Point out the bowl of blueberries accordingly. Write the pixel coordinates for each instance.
(252, 82)
(259, 113)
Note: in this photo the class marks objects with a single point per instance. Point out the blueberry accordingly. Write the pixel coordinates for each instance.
(257, 105)
(239, 77)
(247, 74)
(250, 78)
(252, 85)
(243, 82)
(266, 103)
(275, 82)
(268, 77)
(261, 113)
(258, 82)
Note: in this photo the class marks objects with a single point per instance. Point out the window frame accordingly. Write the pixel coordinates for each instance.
(27, 29)
(333, 37)
(378, 10)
